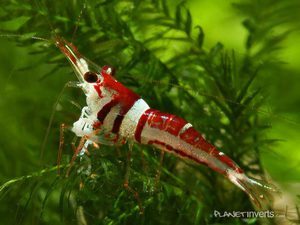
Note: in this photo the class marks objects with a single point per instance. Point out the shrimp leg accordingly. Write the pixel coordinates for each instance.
(126, 180)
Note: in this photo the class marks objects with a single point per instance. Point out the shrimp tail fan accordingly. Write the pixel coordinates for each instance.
(260, 192)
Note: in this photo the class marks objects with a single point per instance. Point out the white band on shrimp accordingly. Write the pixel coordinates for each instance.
(132, 117)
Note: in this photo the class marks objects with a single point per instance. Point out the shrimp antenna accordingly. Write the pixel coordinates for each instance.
(25, 36)
(77, 21)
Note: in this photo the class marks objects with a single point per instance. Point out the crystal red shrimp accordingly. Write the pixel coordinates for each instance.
(121, 115)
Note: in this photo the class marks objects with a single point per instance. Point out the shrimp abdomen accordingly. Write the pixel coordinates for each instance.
(175, 135)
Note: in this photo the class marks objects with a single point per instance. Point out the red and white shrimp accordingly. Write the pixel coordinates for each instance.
(122, 115)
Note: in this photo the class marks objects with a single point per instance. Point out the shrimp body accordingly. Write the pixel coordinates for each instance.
(124, 115)
(121, 115)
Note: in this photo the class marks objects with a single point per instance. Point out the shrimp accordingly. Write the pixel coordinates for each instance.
(122, 115)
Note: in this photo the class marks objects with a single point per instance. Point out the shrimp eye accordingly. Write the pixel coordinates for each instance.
(90, 77)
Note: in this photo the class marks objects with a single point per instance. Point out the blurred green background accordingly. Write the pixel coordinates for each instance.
(32, 74)
(283, 96)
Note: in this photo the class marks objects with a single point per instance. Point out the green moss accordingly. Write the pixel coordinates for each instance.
(176, 68)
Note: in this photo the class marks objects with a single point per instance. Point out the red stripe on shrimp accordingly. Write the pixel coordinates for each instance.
(98, 89)
(195, 139)
(166, 122)
(105, 110)
(117, 124)
(125, 97)
(119, 119)
(142, 121)
(170, 148)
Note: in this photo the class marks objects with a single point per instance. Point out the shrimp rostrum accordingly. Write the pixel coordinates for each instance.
(121, 115)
